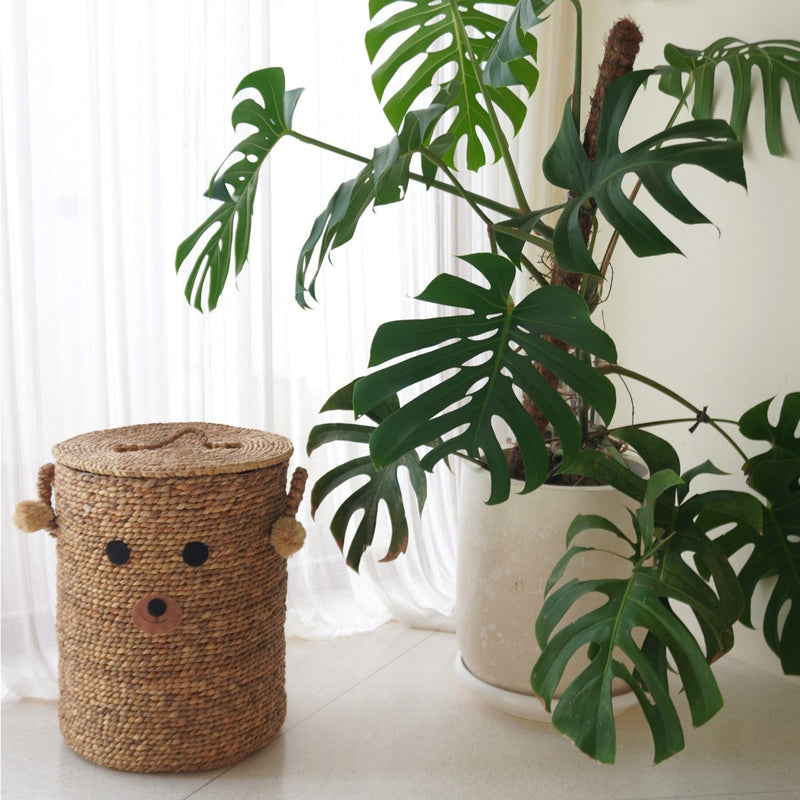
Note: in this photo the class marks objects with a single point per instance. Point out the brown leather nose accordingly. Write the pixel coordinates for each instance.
(157, 613)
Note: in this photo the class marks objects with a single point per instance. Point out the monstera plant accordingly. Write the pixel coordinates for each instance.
(539, 363)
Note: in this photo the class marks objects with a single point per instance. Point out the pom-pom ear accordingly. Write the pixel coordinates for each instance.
(288, 536)
(33, 515)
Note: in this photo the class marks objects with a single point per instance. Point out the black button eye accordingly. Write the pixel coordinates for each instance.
(195, 554)
(118, 552)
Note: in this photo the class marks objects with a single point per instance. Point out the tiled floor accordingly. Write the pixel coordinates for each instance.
(382, 716)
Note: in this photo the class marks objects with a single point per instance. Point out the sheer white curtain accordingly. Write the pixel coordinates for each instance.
(114, 115)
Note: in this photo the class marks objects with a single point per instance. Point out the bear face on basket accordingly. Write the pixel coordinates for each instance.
(145, 559)
(157, 612)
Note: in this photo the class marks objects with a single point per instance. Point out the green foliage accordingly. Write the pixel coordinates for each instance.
(445, 34)
(693, 73)
(667, 527)
(514, 46)
(775, 475)
(492, 350)
(656, 453)
(383, 180)
(466, 369)
(524, 226)
(228, 228)
(711, 146)
(382, 486)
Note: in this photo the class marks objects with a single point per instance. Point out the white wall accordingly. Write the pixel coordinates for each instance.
(719, 325)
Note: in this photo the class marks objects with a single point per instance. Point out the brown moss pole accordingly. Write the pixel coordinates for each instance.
(621, 49)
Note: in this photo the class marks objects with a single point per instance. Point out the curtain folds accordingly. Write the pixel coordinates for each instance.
(114, 116)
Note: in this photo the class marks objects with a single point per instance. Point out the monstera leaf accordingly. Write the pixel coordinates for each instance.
(777, 60)
(775, 474)
(415, 30)
(656, 453)
(382, 486)
(480, 360)
(228, 228)
(694, 517)
(383, 180)
(514, 46)
(711, 145)
(665, 531)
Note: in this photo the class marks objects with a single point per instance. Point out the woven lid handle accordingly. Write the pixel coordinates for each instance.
(37, 515)
(288, 535)
(295, 493)
(186, 431)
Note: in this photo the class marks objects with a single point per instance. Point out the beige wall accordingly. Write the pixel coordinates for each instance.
(719, 325)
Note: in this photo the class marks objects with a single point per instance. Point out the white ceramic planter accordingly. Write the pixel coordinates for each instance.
(506, 553)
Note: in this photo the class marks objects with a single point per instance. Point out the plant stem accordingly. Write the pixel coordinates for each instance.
(535, 273)
(616, 369)
(516, 233)
(513, 175)
(653, 424)
(331, 148)
(584, 290)
(457, 184)
(578, 68)
(472, 197)
(583, 406)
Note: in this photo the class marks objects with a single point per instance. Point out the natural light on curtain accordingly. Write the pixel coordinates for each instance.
(114, 116)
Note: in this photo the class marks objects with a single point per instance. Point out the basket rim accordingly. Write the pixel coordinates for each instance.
(173, 449)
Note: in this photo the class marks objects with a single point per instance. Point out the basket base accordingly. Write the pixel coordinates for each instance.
(139, 758)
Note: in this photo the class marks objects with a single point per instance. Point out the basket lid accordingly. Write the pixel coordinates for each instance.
(163, 450)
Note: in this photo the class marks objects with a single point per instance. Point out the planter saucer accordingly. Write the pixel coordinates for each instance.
(522, 705)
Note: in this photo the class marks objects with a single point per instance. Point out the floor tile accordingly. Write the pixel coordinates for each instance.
(38, 765)
(410, 730)
(382, 716)
(318, 672)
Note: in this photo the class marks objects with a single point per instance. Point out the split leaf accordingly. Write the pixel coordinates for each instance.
(694, 73)
(671, 529)
(428, 36)
(480, 362)
(710, 144)
(381, 488)
(224, 237)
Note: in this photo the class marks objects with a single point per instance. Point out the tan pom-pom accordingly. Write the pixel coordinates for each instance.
(288, 536)
(33, 515)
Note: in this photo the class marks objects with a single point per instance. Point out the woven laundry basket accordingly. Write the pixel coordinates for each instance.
(171, 576)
